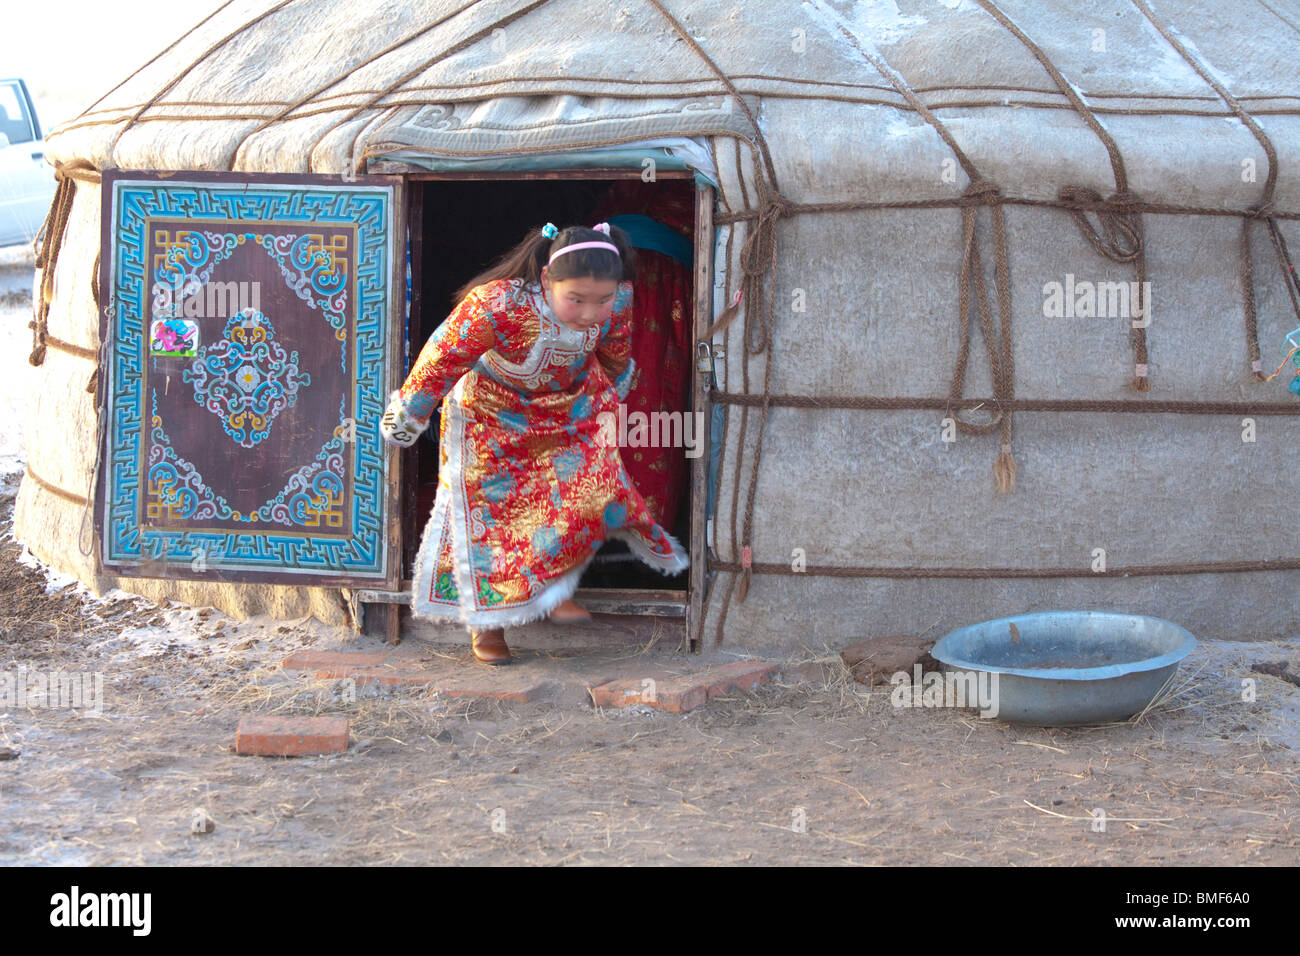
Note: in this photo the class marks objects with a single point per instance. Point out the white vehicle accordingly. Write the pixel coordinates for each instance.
(26, 181)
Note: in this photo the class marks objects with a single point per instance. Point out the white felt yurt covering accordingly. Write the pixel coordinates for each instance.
(869, 156)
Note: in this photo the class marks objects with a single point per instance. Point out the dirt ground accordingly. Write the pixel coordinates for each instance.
(811, 768)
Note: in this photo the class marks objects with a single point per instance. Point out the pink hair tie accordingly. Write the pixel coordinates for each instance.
(602, 227)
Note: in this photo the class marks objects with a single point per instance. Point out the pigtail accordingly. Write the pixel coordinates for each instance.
(524, 261)
(626, 252)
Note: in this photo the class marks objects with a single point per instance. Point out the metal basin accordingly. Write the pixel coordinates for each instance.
(1058, 668)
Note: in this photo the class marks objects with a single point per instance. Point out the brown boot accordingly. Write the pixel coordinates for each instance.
(489, 646)
(569, 610)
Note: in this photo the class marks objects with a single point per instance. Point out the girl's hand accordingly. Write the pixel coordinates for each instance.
(397, 426)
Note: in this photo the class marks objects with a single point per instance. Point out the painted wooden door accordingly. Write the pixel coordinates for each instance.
(254, 327)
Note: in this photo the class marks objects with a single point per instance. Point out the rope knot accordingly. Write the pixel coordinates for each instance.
(79, 171)
(758, 253)
(1118, 235)
(758, 256)
(982, 187)
(774, 206)
(1124, 199)
(1264, 210)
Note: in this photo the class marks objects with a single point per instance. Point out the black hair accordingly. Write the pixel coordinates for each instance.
(526, 259)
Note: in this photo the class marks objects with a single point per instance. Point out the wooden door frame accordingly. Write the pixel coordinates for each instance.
(701, 381)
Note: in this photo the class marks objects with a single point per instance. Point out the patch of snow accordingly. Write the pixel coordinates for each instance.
(181, 627)
(1226, 81)
(836, 24)
(897, 124)
(207, 631)
(631, 710)
(1168, 65)
(54, 580)
(884, 21)
(58, 853)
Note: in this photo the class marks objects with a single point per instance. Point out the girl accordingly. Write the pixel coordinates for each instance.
(533, 363)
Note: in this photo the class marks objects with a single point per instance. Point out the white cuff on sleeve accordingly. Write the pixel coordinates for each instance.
(397, 426)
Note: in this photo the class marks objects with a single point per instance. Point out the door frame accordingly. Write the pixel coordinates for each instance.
(382, 617)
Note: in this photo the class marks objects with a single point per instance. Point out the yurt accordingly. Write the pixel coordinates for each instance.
(981, 306)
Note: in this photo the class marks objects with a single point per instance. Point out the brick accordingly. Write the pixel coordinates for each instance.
(311, 660)
(737, 675)
(291, 736)
(615, 693)
(619, 693)
(676, 695)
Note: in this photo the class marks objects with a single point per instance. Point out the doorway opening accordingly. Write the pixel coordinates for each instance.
(459, 226)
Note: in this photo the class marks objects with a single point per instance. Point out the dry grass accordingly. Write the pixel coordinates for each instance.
(1195, 778)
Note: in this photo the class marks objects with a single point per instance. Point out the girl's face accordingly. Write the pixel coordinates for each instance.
(580, 303)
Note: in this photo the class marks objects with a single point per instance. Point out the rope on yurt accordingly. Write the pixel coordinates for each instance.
(758, 256)
(979, 191)
(1120, 238)
(956, 202)
(101, 392)
(49, 238)
(1136, 570)
(412, 74)
(1247, 272)
(1005, 102)
(53, 488)
(1261, 211)
(972, 269)
(905, 403)
(152, 101)
(171, 46)
(303, 101)
(48, 244)
(49, 241)
(1120, 215)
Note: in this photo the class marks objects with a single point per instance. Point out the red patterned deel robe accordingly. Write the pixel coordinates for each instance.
(531, 482)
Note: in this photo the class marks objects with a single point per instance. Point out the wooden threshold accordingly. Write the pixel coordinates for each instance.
(655, 603)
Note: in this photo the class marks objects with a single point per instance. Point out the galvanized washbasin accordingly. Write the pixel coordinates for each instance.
(1058, 668)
